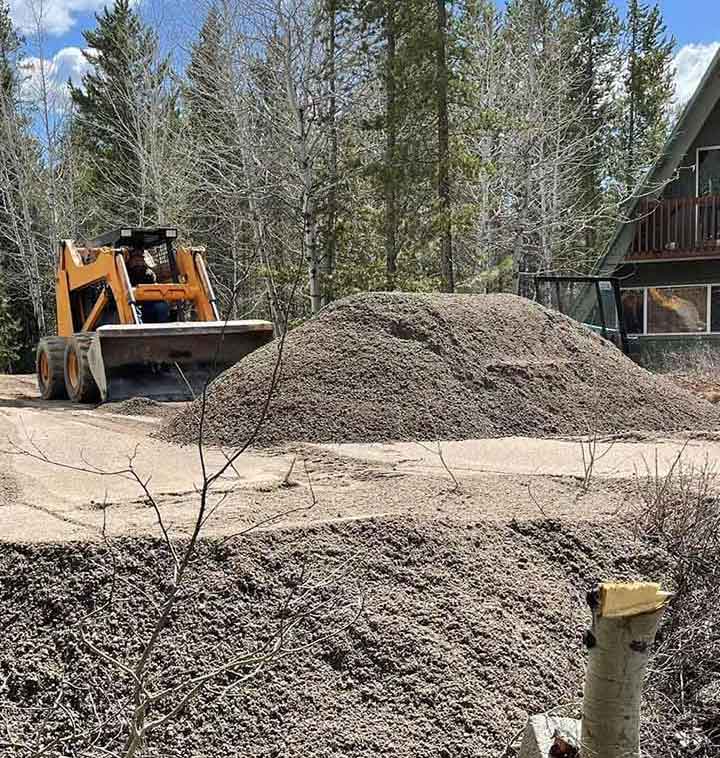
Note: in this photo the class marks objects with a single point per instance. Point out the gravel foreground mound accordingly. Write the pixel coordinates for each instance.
(466, 629)
(389, 366)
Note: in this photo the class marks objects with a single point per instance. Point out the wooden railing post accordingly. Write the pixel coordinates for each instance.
(676, 227)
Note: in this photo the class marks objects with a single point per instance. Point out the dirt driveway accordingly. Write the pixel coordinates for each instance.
(64, 471)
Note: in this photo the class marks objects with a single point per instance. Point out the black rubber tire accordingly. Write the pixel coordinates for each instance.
(83, 389)
(51, 377)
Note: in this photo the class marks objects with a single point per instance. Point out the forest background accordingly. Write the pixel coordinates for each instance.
(348, 145)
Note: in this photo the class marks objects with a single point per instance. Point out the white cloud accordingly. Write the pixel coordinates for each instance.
(691, 62)
(67, 64)
(54, 17)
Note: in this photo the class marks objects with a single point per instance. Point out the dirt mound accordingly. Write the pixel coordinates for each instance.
(139, 406)
(466, 630)
(387, 366)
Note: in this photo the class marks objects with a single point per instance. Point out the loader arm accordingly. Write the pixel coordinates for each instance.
(74, 274)
(109, 268)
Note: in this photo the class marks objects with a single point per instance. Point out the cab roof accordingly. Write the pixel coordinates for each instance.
(141, 237)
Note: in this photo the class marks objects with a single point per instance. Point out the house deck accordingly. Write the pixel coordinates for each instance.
(677, 229)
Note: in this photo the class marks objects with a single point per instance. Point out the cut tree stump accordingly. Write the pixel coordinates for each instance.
(625, 619)
(550, 737)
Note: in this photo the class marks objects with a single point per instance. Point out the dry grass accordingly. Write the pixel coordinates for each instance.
(702, 360)
(680, 512)
(697, 371)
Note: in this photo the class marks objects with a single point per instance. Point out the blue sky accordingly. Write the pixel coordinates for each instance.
(691, 21)
(694, 23)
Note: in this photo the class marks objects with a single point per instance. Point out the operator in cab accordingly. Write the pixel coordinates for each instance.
(141, 270)
(141, 267)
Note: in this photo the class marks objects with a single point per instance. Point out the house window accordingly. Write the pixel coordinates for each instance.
(676, 310)
(633, 302)
(686, 309)
(715, 309)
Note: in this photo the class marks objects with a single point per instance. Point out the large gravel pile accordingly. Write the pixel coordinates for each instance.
(466, 629)
(387, 366)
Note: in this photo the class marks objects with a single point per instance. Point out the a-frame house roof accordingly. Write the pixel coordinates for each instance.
(686, 130)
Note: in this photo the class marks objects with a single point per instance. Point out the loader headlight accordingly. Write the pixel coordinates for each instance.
(126, 232)
(171, 233)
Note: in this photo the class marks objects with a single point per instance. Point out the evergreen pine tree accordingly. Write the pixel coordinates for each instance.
(10, 334)
(593, 42)
(112, 104)
(401, 42)
(648, 91)
(204, 75)
(475, 45)
(207, 121)
(9, 44)
(10, 308)
(218, 216)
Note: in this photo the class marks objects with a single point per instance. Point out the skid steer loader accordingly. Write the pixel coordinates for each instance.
(157, 334)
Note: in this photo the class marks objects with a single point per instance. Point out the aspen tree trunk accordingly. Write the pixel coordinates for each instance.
(307, 178)
(619, 645)
(390, 179)
(331, 241)
(446, 249)
(274, 301)
(236, 237)
(50, 146)
(17, 207)
(261, 247)
(311, 252)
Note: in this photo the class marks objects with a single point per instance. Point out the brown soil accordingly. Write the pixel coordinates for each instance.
(46, 502)
(387, 366)
(467, 629)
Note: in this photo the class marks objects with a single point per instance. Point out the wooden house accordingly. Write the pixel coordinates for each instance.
(667, 250)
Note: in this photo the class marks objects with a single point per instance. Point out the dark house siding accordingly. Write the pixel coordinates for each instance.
(669, 272)
(655, 350)
(684, 185)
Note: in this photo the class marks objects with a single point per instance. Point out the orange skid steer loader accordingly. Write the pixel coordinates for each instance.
(138, 317)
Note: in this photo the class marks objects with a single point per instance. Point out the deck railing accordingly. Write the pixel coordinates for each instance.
(677, 227)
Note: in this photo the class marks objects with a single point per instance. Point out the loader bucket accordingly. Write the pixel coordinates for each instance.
(169, 361)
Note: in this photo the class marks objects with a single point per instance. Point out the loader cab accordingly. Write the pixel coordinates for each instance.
(95, 288)
(151, 261)
(157, 242)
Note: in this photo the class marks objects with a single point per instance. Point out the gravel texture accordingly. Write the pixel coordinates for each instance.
(391, 366)
(139, 406)
(466, 630)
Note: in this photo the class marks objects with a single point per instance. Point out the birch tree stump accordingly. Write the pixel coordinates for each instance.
(625, 619)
